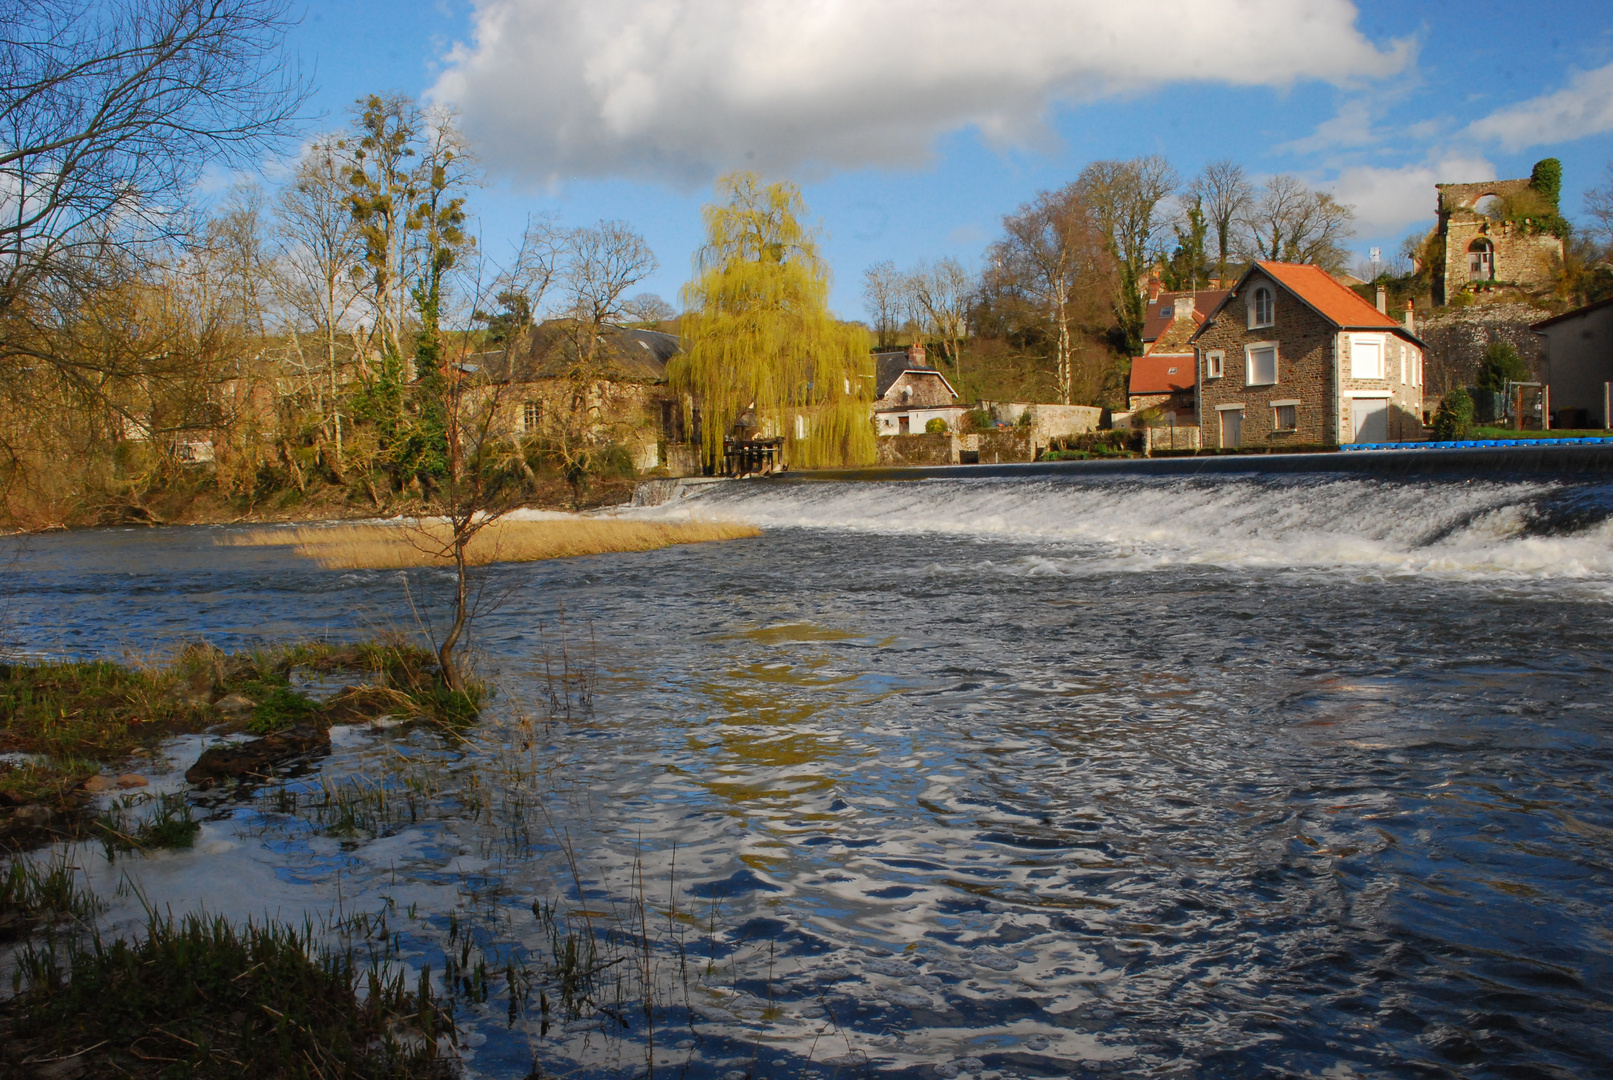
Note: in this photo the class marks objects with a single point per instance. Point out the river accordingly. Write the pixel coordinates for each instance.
(1289, 774)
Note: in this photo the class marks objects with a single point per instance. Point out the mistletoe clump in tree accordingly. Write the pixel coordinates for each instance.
(761, 337)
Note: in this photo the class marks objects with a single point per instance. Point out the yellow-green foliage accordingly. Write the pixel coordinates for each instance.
(760, 332)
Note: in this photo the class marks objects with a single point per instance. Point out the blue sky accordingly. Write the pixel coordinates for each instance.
(913, 126)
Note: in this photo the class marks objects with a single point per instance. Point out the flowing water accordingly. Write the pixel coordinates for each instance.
(1289, 775)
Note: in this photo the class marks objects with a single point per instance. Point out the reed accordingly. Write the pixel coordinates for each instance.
(427, 543)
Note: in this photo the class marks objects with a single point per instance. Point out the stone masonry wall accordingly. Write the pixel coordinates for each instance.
(1457, 338)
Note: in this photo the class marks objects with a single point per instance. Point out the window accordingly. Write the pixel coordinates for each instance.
(532, 416)
(1261, 308)
(1166, 313)
(1262, 363)
(1287, 417)
(1366, 357)
(1481, 260)
(1214, 364)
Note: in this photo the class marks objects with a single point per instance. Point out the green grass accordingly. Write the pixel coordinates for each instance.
(202, 998)
(169, 825)
(34, 893)
(1509, 433)
(80, 716)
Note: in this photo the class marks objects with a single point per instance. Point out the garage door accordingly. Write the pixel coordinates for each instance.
(1371, 419)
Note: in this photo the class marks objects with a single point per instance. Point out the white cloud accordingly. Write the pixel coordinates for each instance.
(1390, 200)
(680, 89)
(1584, 108)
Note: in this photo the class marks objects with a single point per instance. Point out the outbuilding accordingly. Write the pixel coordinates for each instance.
(1577, 365)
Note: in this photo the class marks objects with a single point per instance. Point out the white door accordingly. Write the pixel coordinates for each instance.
(1371, 419)
(1231, 428)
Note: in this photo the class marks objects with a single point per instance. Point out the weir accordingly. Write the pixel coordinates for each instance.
(1570, 460)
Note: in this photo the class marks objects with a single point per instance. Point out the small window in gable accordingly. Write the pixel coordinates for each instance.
(1262, 364)
(1262, 308)
(531, 416)
(1214, 364)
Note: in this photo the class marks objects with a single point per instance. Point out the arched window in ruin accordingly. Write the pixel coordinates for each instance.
(1488, 205)
(1481, 260)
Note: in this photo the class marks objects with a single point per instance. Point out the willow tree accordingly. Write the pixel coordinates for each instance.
(760, 335)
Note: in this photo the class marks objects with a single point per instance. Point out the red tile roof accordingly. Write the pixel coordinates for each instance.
(1342, 306)
(1161, 373)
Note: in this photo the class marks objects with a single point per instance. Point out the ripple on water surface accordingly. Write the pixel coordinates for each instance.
(968, 802)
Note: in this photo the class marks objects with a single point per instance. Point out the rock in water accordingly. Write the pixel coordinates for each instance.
(248, 758)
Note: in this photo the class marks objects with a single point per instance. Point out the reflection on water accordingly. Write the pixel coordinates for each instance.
(1140, 798)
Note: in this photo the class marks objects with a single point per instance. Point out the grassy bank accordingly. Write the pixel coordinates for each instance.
(395, 546)
(64, 722)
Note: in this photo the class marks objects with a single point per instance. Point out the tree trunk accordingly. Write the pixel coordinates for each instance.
(445, 654)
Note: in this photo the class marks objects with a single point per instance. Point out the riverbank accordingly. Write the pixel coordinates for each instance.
(73, 730)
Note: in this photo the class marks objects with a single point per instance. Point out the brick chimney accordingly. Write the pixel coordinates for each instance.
(915, 354)
(1411, 318)
(1383, 300)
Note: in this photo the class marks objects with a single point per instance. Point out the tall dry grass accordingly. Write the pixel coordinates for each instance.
(425, 543)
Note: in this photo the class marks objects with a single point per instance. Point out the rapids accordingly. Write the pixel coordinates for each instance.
(1300, 774)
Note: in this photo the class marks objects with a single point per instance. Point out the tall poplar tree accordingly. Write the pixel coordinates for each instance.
(760, 334)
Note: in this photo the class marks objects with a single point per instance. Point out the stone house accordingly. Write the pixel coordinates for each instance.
(1171, 317)
(1483, 249)
(1291, 357)
(623, 397)
(1166, 381)
(1577, 365)
(909, 393)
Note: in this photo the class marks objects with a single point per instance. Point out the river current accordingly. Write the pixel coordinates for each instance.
(1297, 775)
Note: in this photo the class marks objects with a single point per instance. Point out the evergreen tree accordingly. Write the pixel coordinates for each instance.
(761, 335)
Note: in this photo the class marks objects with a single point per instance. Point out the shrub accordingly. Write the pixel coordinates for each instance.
(977, 420)
(935, 426)
(1501, 364)
(1454, 420)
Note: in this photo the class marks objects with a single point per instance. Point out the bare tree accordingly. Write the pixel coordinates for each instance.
(109, 111)
(598, 265)
(882, 286)
(1224, 194)
(1055, 254)
(942, 292)
(647, 307)
(1124, 197)
(1288, 222)
(1599, 205)
(320, 250)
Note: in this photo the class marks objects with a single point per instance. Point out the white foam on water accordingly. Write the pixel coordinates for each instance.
(1479, 528)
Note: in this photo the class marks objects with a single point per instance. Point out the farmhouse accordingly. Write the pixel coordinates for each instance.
(909, 393)
(553, 385)
(1291, 357)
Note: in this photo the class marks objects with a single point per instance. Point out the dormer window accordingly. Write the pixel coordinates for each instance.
(1261, 308)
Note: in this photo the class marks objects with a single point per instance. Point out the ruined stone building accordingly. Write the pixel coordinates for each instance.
(1488, 243)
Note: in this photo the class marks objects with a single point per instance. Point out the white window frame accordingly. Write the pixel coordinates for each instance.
(1255, 322)
(1380, 341)
(1249, 362)
(1215, 363)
